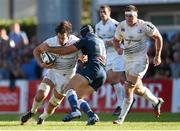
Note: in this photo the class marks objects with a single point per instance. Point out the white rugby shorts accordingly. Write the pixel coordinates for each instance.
(136, 68)
(115, 62)
(59, 79)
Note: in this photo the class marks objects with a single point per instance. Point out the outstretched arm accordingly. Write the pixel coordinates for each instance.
(59, 50)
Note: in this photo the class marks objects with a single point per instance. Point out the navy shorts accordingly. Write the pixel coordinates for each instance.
(95, 73)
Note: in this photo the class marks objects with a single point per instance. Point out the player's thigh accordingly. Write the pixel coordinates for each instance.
(43, 90)
(137, 84)
(132, 79)
(58, 95)
(76, 82)
(136, 67)
(48, 82)
(139, 89)
(50, 77)
(113, 77)
(84, 92)
(122, 76)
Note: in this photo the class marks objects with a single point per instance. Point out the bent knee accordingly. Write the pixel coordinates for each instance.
(55, 101)
(139, 91)
(129, 84)
(40, 96)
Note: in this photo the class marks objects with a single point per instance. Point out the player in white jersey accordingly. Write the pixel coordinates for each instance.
(87, 80)
(135, 33)
(105, 29)
(57, 75)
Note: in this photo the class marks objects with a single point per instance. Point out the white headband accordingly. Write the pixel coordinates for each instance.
(133, 13)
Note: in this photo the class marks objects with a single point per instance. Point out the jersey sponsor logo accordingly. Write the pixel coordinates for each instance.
(132, 40)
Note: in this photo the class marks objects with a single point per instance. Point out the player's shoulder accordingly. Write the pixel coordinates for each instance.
(113, 21)
(72, 39)
(51, 40)
(145, 23)
(122, 24)
(98, 24)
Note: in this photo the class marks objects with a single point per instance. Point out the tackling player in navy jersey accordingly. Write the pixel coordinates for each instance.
(90, 78)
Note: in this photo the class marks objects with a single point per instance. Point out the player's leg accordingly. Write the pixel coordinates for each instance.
(76, 83)
(116, 75)
(53, 103)
(42, 93)
(129, 90)
(82, 85)
(135, 71)
(97, 83)
(147, 94)
(84, 106)
(114, 79)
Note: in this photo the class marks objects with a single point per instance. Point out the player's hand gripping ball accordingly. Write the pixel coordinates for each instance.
(48, 58)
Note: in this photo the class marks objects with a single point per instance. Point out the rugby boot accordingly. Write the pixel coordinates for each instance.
(71, 116)
(157, 108)
(92, 120)
(26, 117)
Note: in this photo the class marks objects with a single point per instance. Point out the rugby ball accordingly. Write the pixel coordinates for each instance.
(48, 58)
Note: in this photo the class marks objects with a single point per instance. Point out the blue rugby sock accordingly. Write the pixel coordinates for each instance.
(72, 98)
(84, 106)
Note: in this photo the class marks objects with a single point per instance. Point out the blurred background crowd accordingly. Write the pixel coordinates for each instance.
(16, 54)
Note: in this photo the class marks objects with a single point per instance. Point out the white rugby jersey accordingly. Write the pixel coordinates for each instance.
(106, 32)
(135, 37)
(64, 63)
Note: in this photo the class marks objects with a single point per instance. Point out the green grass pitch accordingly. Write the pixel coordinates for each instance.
(134, 121)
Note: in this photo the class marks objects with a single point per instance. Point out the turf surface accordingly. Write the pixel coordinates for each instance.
(134, 121)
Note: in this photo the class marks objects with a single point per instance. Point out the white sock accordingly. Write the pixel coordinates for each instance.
(125, 108)
(149, 96)
(44, 115)
(120, 93)
(35, 106)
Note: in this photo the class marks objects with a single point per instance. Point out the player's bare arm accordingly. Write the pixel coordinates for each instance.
(59, 50)
(117, 46)
(158, 46)
(37, 51)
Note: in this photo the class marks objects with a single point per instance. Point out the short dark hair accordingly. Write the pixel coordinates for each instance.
(64, 27)
(131, 8)
(105, 6)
